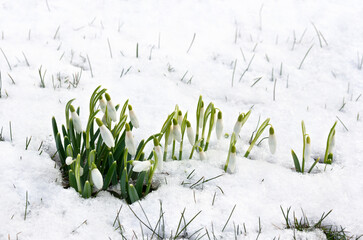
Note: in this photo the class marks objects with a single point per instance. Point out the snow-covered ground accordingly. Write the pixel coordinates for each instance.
(271, 37)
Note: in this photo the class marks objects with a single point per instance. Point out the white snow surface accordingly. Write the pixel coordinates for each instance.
(270, 32)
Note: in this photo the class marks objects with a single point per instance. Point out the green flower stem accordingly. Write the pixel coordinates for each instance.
(151, 174)
(211, 124)
(231, 143)
(330, 136)
(258, 134)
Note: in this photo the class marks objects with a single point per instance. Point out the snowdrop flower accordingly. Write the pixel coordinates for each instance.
(272, 140)
(129, 141)
(238, 125)
(81, 171)
(219, 125)
(106, 134)
(133, 118)
(104, 119)
(232, 160)
(170, 138)
(96, 177)
(159, 154)
(201, 115)
(140, 166)
(76, 120)
(69, 160)
(307, 148)
(202, 154)
(176, 130)
(180, 117)
(111, 110)
(103, 104)
(190, 133)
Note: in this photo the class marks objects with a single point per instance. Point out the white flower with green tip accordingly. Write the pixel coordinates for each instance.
(307, 148)
(238, 125)
(171, 135)
(111, 110)
(190, 134)
(140, 166)
(103, 104)
(232, 160)
(219, 126)
(69, 160)
(133, 118)
(129, 141)
(159, 154)
(180, 117)
(76, 120)
(176, 130)
(96, 177)
(272, 140)
(105, 134)
(202, 154)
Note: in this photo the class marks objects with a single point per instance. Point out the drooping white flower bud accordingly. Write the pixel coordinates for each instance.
(307, 148)
(190, 134)
(180, 117)
(201, 115)
(129, 141)
(176, 130)
(133, 118)
(238, 125)
(103, 104)
(219, 125)
(76, 120)
(272, 140)
(171, 135)
(140, 166)
(105, 134)
(232, 160)
(111, 110)
(159, 154)
(69, 160)
(96, 177)
(202, 154)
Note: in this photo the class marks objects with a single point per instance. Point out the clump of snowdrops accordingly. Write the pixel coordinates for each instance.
(328, 157)
(103, 155)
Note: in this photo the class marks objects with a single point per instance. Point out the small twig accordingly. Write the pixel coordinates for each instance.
(90, 67)
(230, 215)
(342, 124)
(109, 47)
(26, 205)
(6, 59)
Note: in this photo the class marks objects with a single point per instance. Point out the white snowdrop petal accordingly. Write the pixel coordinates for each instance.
(201, 117)
(107, 136)
(177, 132)
(111, 111)
(133, 118)
(69, 160)
(232, 162)
(219, 128)
(81, 171)
(170, 135)
(190, 134)
(202, 155)
(180, 120)
(237, 128)
(272, 143)
(307, 151)
(103, 105)
(130, 143)
(159, 154)
(76, 122)
(140, 166)
(97, 178)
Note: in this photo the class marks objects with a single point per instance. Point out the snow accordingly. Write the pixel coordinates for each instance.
(328, 78)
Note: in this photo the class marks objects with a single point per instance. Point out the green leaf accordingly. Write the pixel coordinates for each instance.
(140, 183)
(330, 136)
(72, 180)
(109, 175)
(87, 190)
(55, 128)
(124, 183)
(296, 161)
(61, 152)
(133, 194)
(312, 166)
